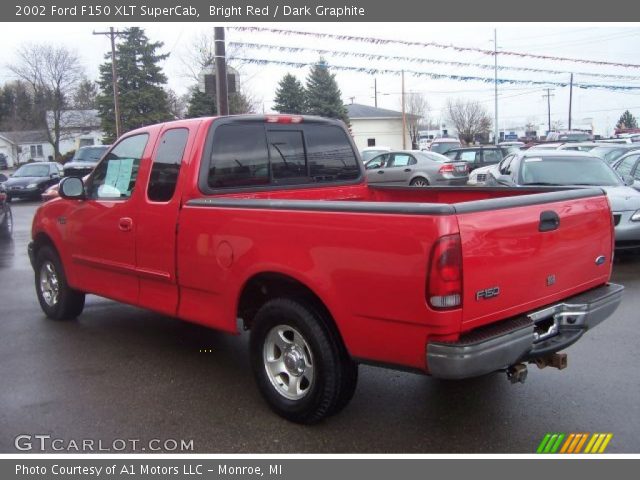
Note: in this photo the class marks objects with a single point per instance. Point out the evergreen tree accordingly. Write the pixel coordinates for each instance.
(290, 95)
(201, 104)
(627, 120)
(85, 97)
(143, 100)
(323, 96)
(17, 108)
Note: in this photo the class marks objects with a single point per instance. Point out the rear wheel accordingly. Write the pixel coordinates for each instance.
(6, 229)
(419, 182)
(57, 299)
(301, 368)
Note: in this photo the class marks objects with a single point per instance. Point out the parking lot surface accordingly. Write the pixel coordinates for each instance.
(118, 372)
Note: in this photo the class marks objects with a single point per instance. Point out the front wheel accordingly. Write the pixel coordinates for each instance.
(6, 229)
(419, 182)
(301, 368)
(57, 299)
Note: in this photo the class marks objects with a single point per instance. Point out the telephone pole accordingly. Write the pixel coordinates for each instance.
(570, 99)
(112, 34)
(375, 92)
(548, 96)
(404, 118)
(222, 97)
(496, 135)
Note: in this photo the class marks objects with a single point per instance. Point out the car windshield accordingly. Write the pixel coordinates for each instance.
(608, 154)
(369, 154)
(567, 171)
(89, 154)
(443, 147)
(433, 156)
(576, 137)
(32, 171)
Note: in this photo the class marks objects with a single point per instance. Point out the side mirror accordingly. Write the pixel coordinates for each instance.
(72, 188)
(54, 175)
(628, 180)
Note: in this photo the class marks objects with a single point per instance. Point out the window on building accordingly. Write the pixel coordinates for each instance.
(36, 151)
(371, 142)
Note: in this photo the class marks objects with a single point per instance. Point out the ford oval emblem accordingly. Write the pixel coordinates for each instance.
(600, 260)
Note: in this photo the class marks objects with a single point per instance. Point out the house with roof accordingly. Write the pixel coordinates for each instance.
(376, 127)
(21, 147)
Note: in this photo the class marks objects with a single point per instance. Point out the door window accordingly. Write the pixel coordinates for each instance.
(115, 177)
(401, 160)
(377, 162)
(469, 156)
(166, 165)
(627, 165)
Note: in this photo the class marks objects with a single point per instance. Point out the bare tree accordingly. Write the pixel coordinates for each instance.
(469, 118)
(53, 73)
(417, 112)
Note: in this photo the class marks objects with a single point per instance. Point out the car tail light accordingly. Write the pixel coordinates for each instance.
(3, 196)
(444, 284)
(447, 168)
(283, 119)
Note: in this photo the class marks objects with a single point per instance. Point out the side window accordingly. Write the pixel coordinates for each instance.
(166, 165)
(330, 154)
(115, 177)
(286, 149)
(468, 156)
(492, 156)
(401, 160)
(377, 162)
(239, 156)
(626, 165)
(505, 165)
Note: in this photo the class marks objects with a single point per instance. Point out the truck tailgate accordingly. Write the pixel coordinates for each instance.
(515, 259)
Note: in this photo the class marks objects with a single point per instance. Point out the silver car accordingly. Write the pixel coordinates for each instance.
(415, 168)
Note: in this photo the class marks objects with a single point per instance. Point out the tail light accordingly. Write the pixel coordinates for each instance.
(283, 119)
(444, 284)
(447, 168)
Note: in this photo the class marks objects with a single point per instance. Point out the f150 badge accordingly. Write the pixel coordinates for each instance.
(487, 293)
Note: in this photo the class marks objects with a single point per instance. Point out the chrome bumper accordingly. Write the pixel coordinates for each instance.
(524, 338)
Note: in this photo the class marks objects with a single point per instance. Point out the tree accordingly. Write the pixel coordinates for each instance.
(201, 104)
(469, 118)
(53, 74)
(417, 110)
(177, 104)
(323, 96)
(627, 120)
(290, 95)
(143, 100)
(85, 96)
(17, 109)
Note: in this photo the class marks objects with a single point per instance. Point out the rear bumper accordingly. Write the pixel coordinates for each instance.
(533, 335)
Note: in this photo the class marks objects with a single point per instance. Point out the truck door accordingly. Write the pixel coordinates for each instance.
(157, 224)
(101, 230)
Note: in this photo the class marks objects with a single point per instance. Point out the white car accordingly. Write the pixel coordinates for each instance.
(478, 177)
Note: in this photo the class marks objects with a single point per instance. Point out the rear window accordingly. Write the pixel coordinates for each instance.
(89, 154)
(444, 146)
(255, 154)
(567, 171)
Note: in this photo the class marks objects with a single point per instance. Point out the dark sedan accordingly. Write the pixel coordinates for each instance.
(84, 160)
(32, 179)
(6, 217)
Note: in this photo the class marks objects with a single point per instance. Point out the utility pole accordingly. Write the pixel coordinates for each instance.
(570, 99)
(112, 34)
(548, 96)
(375, 92)
(404, 118)
(496, 135)
(222, 97)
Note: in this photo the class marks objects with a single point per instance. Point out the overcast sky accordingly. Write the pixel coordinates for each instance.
(517, 103)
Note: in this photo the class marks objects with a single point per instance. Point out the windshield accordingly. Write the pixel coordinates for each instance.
(89, 154)
(577, 137)
(32, 171)
(433, 156)
(608, 154)
(369, 154)
(443, 147)
(567, 171)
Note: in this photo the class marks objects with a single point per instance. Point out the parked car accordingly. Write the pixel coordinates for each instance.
(6, 216)
(479, 176)
(546, 146)
(84, 160)
(369, 152)
(611, 153)
(4, 164)
(325, 270)
(562, 168)
(569, 136)
(510, 143)
(32, 179)
(477, 157)
(443, 144)
(629, 165)
(415, 168)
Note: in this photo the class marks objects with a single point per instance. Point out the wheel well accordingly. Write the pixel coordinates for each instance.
(41, 240)
(266, 286)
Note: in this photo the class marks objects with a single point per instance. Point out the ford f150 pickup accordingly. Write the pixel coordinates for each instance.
(266, 223)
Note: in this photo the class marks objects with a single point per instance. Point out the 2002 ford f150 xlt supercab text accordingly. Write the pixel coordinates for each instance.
(267, 220)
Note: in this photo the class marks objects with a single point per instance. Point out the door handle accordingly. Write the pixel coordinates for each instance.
(549, 220)
(407, 170)
(125, 224)
(380, 172)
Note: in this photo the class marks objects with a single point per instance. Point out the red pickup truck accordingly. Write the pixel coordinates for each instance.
(265, 223)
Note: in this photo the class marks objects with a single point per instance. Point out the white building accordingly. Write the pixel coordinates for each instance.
(376, 127)
(20, 147)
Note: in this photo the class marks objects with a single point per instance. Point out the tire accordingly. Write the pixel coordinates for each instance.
(57, 299)
(301, 368)
(6, 229)
(419, 182)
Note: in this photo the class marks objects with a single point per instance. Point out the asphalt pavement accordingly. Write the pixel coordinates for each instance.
(121, 373)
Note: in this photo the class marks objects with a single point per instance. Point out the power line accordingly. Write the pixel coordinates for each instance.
(387, 41)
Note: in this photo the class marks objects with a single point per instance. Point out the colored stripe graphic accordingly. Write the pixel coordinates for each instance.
(574, 443)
